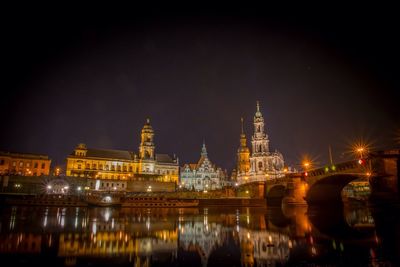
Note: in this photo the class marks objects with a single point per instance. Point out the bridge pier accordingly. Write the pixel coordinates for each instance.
(296, 192)
(385, 181)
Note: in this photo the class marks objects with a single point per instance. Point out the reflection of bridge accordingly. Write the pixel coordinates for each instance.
(324, 185)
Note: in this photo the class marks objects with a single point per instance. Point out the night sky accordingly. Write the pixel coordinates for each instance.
(94, 74)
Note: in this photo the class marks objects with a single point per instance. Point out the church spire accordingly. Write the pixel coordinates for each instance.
(258, 112)
(204, 149)
(241, 120)
(243, 154)
(242, 135)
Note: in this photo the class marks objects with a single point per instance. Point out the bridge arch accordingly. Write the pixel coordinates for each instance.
(327, 190)
(275, 194)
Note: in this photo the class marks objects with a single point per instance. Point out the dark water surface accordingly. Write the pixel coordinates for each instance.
(288, 236)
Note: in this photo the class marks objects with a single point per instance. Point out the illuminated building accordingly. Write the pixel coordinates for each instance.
(202, 176)
(243, 155)
(106, 164)
(264, 164)
(24, 164)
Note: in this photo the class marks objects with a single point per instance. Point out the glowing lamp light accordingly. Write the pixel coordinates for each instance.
(361, 161)
(79, 188)
(49, 187)
(306, 174)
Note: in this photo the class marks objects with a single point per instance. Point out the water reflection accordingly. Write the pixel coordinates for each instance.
(283, 236)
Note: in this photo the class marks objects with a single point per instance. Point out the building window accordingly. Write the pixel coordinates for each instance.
(88, 166)
(119, 168)
(130, 168)
(14, 163)
(21, 164)
(107, 167)
(123, 185)
(260, 165)
(1, 161)
(100, 166)
(112, 167)
(35, 165)
(124, 168)
(94, 166)
(79, 166)
(43, 165)
(28, 164)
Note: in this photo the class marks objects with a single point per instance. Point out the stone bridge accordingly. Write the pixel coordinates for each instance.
(324, 185)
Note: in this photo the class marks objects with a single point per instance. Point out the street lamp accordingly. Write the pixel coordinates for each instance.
(360, 150)
(306, 165)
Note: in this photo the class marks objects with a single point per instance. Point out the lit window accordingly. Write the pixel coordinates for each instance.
(21, 164)
(28, 164)
(14, 163)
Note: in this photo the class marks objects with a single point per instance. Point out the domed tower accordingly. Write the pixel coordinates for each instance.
(243, 154)
(146, 148)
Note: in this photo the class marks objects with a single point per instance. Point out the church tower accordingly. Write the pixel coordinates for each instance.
(146, 148)
(243, 154)
(260, 144)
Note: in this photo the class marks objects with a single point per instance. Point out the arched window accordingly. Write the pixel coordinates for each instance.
(260, 165)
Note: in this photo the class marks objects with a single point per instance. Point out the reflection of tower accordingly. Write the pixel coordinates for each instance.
(146, 148)
(247, 252)
(243, 155)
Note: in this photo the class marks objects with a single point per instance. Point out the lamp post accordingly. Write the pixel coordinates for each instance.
(306, 165)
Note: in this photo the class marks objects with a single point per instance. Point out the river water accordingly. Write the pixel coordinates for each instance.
(287, 236)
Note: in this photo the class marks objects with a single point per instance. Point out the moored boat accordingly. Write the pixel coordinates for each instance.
(46, 200)
(159, 202)
(103, 200)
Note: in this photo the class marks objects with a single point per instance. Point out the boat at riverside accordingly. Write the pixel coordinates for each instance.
(103, 200)
(47, 200)
(157, 201)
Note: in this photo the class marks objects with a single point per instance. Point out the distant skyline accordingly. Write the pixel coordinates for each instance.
(93, 76)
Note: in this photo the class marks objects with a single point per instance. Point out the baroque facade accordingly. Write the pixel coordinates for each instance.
(262, 164)
(24, 164)
(203, 175)
(106, 164)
